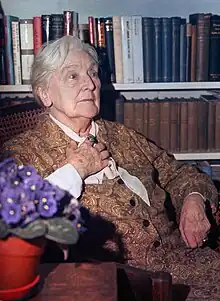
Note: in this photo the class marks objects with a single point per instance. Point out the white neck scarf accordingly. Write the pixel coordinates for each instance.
(111, 171)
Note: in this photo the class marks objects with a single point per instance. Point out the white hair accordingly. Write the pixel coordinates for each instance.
(51, 57)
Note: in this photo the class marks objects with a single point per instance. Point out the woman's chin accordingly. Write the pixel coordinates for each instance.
(90, 112)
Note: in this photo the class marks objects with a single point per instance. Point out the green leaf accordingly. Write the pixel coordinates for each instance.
(61, 231)
(32, 230)
(4, 230)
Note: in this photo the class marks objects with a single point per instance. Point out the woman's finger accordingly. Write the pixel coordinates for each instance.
(104, 154)
(99, 146)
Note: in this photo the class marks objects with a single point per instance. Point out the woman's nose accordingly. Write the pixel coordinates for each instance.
(89, 83)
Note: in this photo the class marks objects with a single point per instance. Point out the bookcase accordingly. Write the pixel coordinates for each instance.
(27, 9)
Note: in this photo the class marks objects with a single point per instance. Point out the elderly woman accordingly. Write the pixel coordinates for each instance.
(118, 174)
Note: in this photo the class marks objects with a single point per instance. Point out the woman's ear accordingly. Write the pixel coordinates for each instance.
(44, 96)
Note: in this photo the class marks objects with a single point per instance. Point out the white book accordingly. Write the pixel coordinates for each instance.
(118, 49)
(127, 53)
(16, 51)
(27, 49)
(137, 49)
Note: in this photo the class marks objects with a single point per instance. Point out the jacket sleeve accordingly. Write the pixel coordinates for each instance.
(175, 177)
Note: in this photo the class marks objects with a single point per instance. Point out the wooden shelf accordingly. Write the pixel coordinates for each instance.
(15, 89)
(168, 86)
(197, 156)
(132, 87)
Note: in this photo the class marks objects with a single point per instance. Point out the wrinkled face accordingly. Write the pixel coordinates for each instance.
(74, 90)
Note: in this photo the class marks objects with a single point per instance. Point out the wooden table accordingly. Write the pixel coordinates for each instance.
(98, 282)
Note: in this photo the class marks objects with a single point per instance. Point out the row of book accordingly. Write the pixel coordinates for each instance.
(20, 39)
(176, 124)
(132, 49)
(146, 49)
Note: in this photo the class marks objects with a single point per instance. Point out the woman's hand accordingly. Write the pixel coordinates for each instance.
(194, 225)
(88, 158)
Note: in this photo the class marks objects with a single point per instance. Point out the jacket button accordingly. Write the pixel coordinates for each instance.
(156, 244)
(132, 202)
(146, 223)
(120, 181)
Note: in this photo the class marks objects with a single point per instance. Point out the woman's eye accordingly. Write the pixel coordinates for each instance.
(72, 76)
(93, 73)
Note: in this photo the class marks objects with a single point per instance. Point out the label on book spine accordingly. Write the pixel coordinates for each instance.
(126, 27)
(137, 44)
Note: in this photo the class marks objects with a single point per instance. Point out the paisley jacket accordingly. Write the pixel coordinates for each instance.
(122, 227)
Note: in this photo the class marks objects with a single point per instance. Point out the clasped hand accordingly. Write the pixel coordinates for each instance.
(88, 158)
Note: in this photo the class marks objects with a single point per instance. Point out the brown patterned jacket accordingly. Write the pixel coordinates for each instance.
(134, 231)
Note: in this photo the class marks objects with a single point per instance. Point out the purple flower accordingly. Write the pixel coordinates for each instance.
(26, 197)
(27, 172)
(11, 212)
(47, 206)
(54, 190)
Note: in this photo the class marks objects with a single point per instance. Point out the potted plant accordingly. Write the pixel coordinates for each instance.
(31, 211)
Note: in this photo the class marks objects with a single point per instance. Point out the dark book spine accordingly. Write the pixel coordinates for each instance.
(183, 50)
(176, 21)
(148, 51)
(214, 57)
(46, 26)
(84, 33)
(110, 47)
(68, 23)
(202, 53)
(157, 49)
(188, 51)
(119, 109)
(166, 50)
(105, 74)
(57, 27)
(3, 79)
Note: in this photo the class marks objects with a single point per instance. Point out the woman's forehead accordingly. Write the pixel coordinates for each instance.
(76, 58)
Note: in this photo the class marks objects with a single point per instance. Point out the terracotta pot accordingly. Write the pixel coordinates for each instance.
(19, 261)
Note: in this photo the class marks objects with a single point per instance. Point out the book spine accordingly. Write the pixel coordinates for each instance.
(148, 50)
(117, 39)
(164, 124)
(84, 32)
(183, 125)
(154, 121)
(129, 114)
(126, 29)
(157, 62)
(202, 53)
(174, 143)
(75, 24)
(214, 58)
(166, 50)
(139, 116)
(188, 51)
(193, 54)
(27, 49)
(16, 52)
(57, 27)
(183, 50)
(119, 109)
(9, 51)
(176, 21)
(37, 34)
(45, 26)
(110, 47)
(3, 79)
(68, 23)
(91, 30)
(137, 49)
